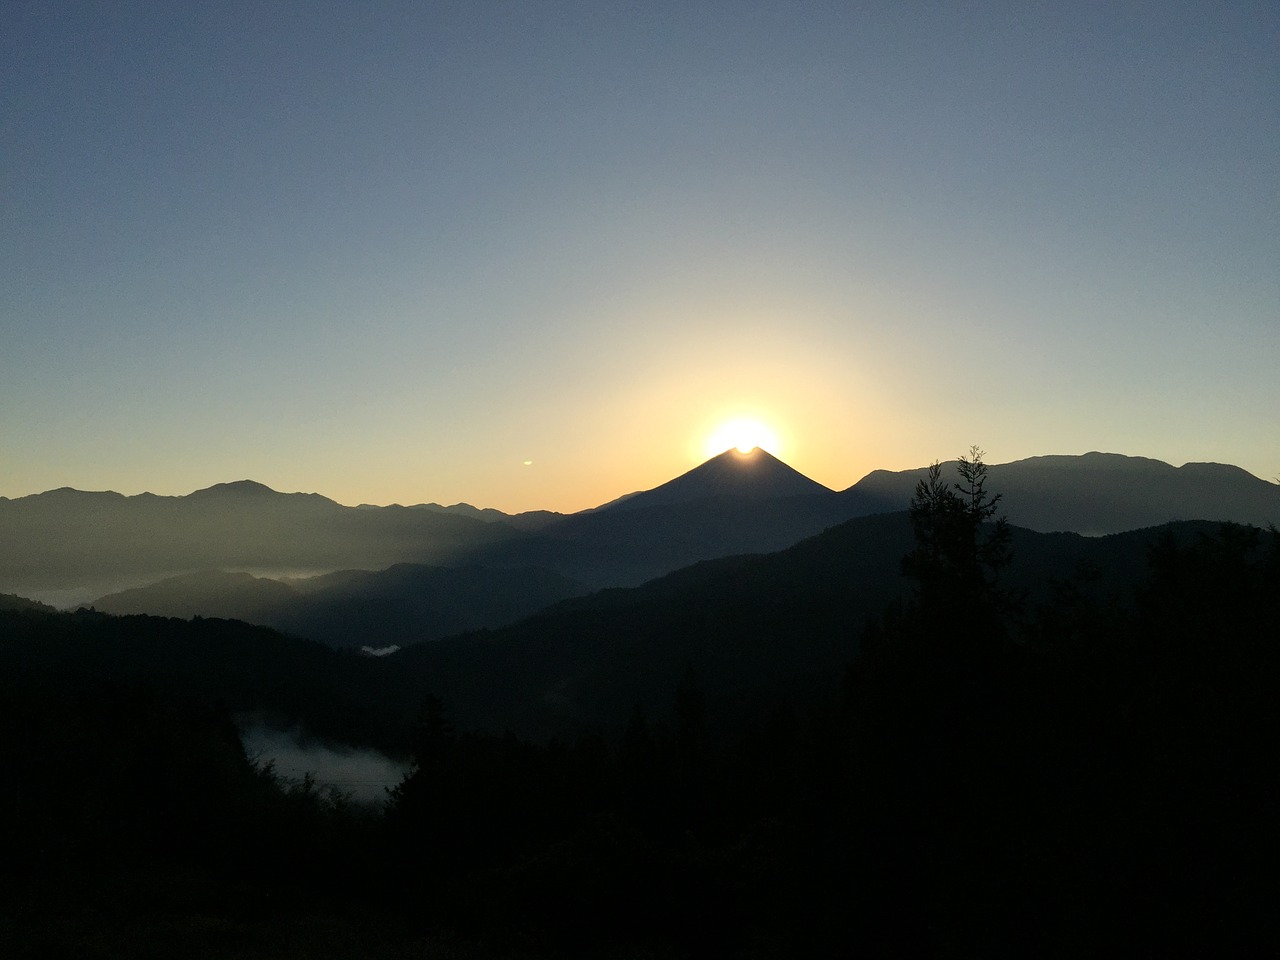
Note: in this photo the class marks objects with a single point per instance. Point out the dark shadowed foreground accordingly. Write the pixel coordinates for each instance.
(1087, 769)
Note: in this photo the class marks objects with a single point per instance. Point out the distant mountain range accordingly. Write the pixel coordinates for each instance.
(95, 544)
(69, 538)
(752, 503)
(1100, 493)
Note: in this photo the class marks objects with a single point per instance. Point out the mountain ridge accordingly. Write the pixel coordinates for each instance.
(756, 474)
(1091, 460)
(99, 542)
(1100, 493)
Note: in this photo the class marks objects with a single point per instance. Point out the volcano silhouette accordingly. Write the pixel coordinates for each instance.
(757, 475)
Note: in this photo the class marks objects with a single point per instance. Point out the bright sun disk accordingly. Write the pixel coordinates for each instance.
(743, 434)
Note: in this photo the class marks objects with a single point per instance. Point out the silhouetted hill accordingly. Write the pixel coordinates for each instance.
(9, 601)
(627, 546)
(403, 604)
(742, 776)
(249, 670)
(757, 475)
(240, 490)
(718, 509)
(732, 504)
(1099, 493)
(208, 593)
(749, 627)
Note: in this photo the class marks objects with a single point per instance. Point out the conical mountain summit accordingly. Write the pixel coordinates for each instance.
(756, 475)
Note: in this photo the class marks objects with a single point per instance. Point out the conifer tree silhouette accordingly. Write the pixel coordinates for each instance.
(960, 543)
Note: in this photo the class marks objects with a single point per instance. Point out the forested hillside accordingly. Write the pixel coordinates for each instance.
(973, 767)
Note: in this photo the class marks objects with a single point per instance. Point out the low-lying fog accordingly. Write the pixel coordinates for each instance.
(362, 773)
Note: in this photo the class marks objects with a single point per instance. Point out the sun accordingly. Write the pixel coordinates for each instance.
(745, 435)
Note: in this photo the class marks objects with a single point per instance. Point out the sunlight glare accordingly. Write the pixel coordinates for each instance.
(744, 434)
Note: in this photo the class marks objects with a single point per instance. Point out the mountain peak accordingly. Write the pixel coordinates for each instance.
(237, 488)
(755, 475)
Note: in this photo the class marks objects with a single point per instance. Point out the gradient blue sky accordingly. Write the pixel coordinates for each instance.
(390, 251)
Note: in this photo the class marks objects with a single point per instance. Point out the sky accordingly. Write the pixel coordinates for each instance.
(534, 255)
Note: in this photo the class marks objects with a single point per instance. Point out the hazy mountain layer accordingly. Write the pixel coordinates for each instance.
(748, 628)
(9, 601)
(211, 593)
(66, 538)
(626, 547)
(404, 604)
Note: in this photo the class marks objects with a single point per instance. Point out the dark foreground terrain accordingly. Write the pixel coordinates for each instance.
(1083, 768)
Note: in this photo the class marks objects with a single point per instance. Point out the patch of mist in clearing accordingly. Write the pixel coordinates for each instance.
(362, 773)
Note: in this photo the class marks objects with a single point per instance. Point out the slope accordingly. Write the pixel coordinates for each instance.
(747, 627)
(405, 603)
(757, 475)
